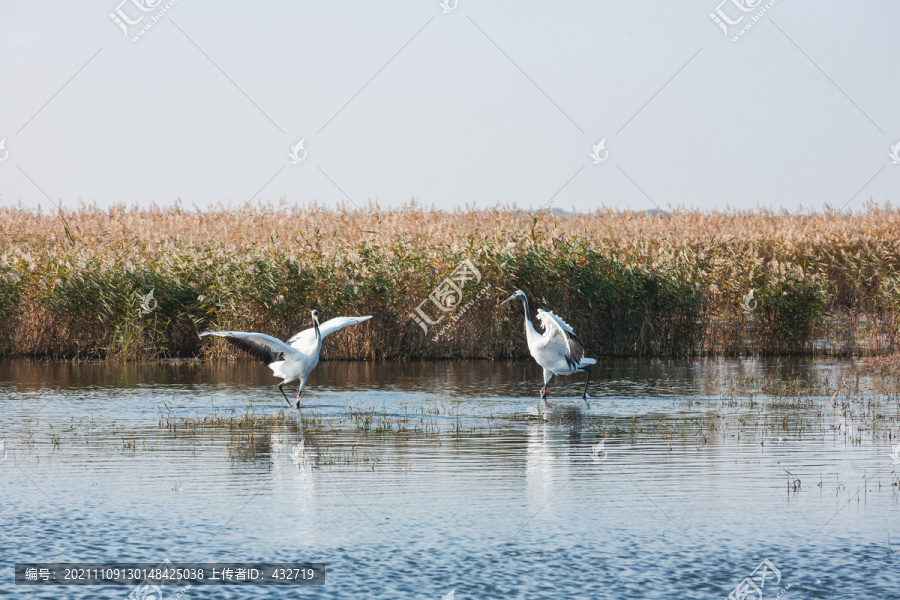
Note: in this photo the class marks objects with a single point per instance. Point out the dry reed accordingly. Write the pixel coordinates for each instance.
(71, 282)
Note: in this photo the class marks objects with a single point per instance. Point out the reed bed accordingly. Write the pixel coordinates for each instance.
(631, 284)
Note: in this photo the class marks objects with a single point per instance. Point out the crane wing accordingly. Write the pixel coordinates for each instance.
(559, 335)
(265, 348)
(308, 336)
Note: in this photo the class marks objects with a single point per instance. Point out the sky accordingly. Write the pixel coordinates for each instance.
(455, 105)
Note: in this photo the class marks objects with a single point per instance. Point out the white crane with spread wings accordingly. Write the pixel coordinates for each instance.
(293, 360)
(558, 350)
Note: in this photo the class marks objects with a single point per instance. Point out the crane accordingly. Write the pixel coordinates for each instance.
(293, 360)
(558, 350)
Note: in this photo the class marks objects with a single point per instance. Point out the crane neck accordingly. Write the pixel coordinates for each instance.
(529, 326)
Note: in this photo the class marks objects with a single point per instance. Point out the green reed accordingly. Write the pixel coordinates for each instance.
(663, 294)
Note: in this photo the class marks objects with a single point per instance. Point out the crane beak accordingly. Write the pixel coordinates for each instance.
(513, 297)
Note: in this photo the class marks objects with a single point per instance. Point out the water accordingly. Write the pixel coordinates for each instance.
(413, 480)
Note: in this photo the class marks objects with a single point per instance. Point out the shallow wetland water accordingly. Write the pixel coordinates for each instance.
(413, 479)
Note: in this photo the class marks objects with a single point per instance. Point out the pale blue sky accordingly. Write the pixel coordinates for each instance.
(492, 102)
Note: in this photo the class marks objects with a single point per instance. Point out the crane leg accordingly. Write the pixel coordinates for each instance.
(281, 389)
(584, 396)
(299, 393)
(547, 376)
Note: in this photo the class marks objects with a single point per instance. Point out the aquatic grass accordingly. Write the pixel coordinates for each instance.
(631, 284)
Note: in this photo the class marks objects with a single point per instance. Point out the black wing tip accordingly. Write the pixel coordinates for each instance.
(576, 350)
(260, 352)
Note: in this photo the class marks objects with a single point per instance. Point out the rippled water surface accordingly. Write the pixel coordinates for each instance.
(412, 480)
